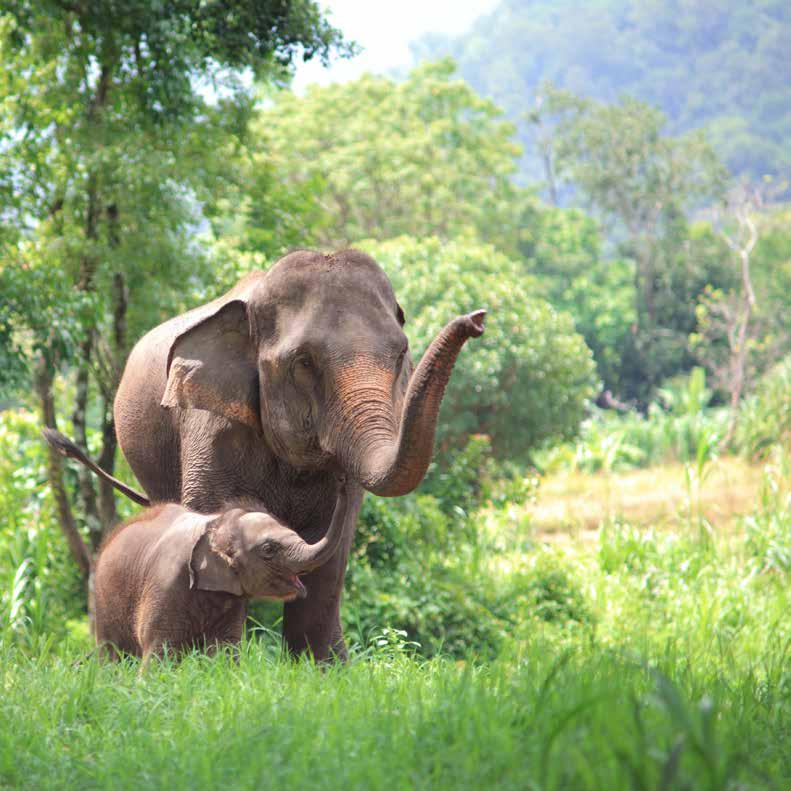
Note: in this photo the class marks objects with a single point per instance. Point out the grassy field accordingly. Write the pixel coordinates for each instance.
(642, 657)
(593, 717)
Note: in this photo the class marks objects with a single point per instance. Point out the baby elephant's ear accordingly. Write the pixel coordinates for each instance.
(210, 568)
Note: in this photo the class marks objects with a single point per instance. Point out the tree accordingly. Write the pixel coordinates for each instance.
(730, 337)
(573, 273)
(530, 375)
(380, 158)
(643, 184)
(710, 64)
(107, 144)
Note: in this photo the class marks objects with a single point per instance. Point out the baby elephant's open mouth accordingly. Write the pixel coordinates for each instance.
(300, 591)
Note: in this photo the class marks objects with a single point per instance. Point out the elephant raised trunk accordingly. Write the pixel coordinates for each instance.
(388, 457)
(305, 557)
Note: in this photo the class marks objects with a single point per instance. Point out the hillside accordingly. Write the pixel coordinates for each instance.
(707, 63)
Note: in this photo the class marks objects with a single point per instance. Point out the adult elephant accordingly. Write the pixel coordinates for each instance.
(295, 374)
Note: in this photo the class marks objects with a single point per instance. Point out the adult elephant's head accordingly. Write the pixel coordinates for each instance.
(312, 354)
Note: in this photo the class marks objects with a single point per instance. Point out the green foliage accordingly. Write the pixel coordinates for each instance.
(402, 573)
(549, 593)
(400, 576)
(642, 183)
(575, 276)
(527, 379)
(619, 156)
(165, 46)
(768, 531)
(770, 266)
(587, 717)
(712, 64)
(39, 589)
(466, 482)
(679, 426)
(765, 417)
(379, 158)
(108, 148)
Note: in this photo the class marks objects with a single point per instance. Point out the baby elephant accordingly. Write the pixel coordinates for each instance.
(176, 578)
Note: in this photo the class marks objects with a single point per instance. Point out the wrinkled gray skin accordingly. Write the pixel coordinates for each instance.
(295, 374)
(176, 578)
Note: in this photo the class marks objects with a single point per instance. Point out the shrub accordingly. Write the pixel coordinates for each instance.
(527, 379)
(550, 593)
(765, 416)
(39, 586)
(677, 427)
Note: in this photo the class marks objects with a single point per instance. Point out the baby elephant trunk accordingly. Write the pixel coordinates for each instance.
(307, 557)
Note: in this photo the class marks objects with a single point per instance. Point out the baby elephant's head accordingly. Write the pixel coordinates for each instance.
(252, 554)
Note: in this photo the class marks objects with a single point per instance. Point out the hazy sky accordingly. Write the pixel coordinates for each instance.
(384, 29)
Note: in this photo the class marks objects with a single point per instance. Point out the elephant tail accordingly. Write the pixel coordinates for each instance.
(66, 447)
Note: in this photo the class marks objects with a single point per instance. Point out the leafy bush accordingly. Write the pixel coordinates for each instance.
(424, 565)
(677, 427)
(765, 416)
(443, 608)
(527, 379)
(413, 568)
(548, 592)
(39, 586)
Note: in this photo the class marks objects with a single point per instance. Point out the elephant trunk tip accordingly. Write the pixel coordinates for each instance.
(475, 323)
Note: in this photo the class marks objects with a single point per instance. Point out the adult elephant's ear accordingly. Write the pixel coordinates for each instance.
(212, 366)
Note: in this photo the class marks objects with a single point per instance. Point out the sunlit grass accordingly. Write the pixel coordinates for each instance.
(655, 496)
(586, 717)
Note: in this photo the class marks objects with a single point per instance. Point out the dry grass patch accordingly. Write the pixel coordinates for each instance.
(656, 496)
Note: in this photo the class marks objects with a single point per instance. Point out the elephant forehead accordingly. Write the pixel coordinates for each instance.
(308, 275)
(256, 525)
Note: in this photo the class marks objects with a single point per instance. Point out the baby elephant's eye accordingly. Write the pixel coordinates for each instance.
(267, 549)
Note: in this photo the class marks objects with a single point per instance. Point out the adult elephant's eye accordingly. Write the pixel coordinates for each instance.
(304, 362)
(302, 368)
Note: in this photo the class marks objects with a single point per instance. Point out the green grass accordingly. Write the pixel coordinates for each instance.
(589, 717)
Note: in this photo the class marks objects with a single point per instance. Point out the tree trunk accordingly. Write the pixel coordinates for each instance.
(739, 353)
(108, 515)
(743, 250)
(107, 507)
(78, 548)
(87, 493)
